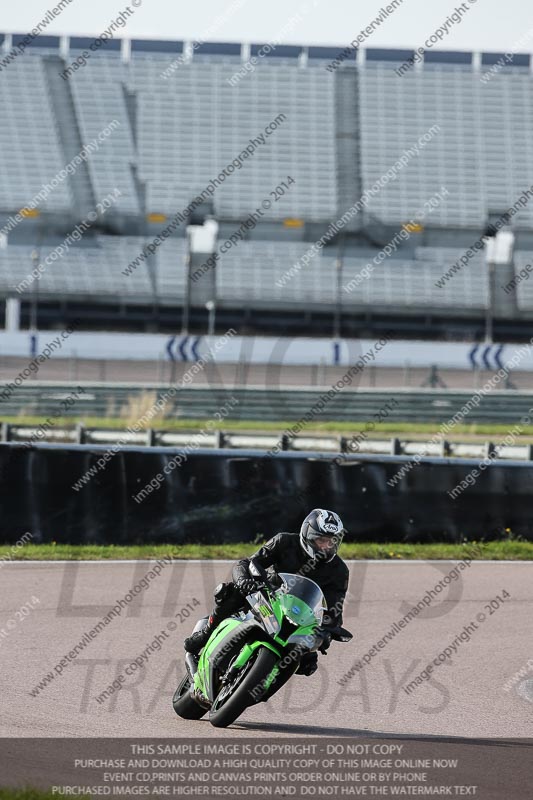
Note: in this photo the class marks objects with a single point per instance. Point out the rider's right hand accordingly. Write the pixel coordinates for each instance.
(246, 586)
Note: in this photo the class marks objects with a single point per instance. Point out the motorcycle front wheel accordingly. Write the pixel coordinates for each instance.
(184, 705)
(235, 697)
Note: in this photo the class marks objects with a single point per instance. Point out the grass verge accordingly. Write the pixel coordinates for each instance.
(385, 429)
(507, 550)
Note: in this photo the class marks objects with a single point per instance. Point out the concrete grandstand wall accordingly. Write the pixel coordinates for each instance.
(272, 350)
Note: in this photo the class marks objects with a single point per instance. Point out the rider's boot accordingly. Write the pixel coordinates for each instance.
(195, 642)
(227, 601)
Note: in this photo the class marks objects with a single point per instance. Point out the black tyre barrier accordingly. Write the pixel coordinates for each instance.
(87, 494)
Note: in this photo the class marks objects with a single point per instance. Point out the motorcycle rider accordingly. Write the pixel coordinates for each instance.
(311, 553)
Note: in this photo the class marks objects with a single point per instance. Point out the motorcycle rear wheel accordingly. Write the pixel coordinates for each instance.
(222, 715)
(184, 705)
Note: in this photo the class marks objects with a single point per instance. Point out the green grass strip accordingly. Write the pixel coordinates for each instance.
(505, 550)
(384, 430)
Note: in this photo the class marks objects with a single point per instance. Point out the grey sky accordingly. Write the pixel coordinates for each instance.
(488, 25)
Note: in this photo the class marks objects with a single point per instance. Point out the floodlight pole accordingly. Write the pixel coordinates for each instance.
(337, 321)
(489, 311)
(34, 304)
(187, 303)
(211, 310)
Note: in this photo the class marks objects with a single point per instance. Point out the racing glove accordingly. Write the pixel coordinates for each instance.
(326, 641)
(308, 664)
(246, 586)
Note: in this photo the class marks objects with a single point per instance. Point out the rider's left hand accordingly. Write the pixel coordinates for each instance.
(308, 664)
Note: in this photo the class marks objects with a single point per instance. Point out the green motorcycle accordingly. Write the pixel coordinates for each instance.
(252, 654)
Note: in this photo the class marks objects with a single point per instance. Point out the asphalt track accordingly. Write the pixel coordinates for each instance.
(465, 697)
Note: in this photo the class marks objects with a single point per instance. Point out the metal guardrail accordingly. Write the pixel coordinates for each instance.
(264, 404)
(218, 439)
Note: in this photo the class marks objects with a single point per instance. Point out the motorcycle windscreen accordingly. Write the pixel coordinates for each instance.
(307, 591)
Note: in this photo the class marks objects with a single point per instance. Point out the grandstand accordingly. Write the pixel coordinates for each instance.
(174, 118)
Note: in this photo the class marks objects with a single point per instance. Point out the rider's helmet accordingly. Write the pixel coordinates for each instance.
(321, 534)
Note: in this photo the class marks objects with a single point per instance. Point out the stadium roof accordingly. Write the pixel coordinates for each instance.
(348, 54)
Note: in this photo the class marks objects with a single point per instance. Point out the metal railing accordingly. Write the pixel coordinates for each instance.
(219, 439)
(282, 405)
